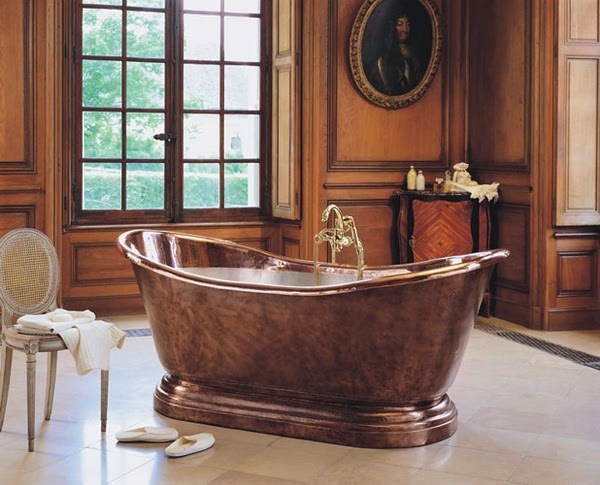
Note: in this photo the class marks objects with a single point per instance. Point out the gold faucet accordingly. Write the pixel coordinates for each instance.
(337, 238)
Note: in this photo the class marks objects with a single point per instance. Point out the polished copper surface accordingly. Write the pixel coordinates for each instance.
(362, 363)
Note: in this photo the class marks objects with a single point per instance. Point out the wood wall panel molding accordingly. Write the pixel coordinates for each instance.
(291, 248)
(263, 243)
(376, 225)
(499, 89)
(574, 234)
(578, 114)
(106, 305)
(577, 274)
(18, 93)
(515, 195)
(285, 109)
(513, 223)
(363, 137)
(506, 305)
(16, 217)
(582, 21)
(96, 263)
(361, 185)
(562, 319)
(580, 182)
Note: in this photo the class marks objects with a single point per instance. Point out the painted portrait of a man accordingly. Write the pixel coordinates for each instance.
(396, 43)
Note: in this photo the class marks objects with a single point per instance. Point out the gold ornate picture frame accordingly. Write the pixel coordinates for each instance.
(395, 50)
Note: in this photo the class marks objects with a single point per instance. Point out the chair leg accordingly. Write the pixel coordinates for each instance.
(103, 399)
(6, 369)
(31, 349)
(50, 384)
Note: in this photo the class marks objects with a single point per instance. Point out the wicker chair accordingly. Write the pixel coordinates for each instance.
(29, 279)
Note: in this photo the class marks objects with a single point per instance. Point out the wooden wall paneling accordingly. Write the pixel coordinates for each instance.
(513, 227)
(99, 264)
(25, 134)
(498, 85)
(96, 276)
(578, 114)
(290, 235)
(577, 274)
(501, 108)
(16, 217)
(577, 269)
(543, 149)
(291, 248)
(375, 223)
(21, 207)
(512, 280)
(456, 47)
(17, 98)
(366, 137)
(286, 110)
(575, 300)
(93, 266)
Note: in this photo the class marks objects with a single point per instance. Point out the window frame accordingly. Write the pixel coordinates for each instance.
(173, 211)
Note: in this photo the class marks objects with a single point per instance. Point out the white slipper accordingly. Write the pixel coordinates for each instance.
(150, 434)
(186, 445)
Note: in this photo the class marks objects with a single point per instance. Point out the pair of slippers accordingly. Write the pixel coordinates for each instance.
(186, 445)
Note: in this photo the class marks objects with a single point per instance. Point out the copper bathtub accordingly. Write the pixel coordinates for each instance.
(248, 340)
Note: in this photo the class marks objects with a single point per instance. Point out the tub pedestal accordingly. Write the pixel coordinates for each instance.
(299, 415)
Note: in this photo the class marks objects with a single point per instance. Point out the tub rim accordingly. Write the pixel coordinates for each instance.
(434, 268)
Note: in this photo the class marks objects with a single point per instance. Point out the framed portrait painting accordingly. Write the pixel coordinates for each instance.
(395, 50)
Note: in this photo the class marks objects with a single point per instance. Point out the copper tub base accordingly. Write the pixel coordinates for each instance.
(306, 416)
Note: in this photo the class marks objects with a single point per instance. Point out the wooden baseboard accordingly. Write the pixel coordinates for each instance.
(511, 311)
(560, 319)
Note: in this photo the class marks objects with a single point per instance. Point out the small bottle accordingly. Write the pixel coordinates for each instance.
(420, 181)
(447, 181)
(438, 186)
(411, 179)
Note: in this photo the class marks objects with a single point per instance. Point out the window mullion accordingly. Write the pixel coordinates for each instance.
(124, 110)
(173, 108)
(222, 110)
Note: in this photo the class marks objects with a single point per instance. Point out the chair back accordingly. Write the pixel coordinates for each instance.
(29, 273)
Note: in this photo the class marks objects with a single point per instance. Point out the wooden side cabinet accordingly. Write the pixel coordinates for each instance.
(440, 224)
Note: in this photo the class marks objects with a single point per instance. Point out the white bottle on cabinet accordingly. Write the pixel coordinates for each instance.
(411, 179)
(420, 181)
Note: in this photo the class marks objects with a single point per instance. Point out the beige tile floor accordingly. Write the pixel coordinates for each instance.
(525, 417)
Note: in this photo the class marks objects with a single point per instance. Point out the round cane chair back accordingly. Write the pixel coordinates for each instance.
(29, 272)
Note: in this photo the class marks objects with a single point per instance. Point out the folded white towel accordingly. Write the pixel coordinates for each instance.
(90, 344)
(54, 321)
(479, 191)
(42, 330)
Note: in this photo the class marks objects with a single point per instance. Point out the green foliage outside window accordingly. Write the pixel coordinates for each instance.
(100, 193)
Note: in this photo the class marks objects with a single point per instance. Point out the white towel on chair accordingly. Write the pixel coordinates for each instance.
(53, 322)
(90, 344)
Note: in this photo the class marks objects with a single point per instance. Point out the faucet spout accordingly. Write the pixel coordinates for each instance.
(335, 235)
(337, 238)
